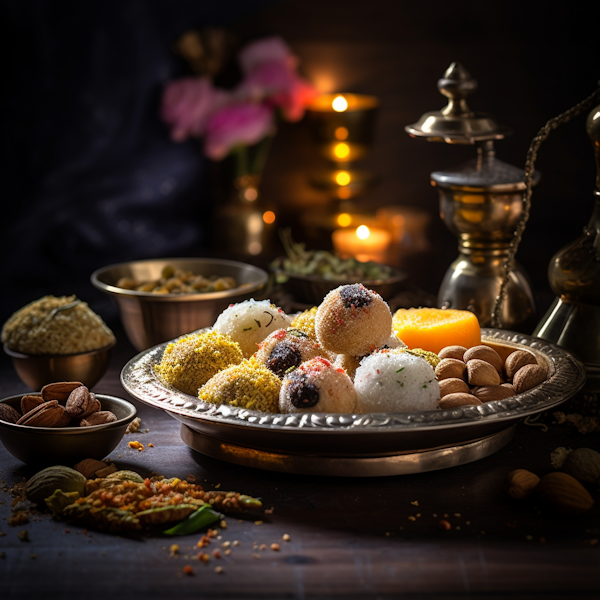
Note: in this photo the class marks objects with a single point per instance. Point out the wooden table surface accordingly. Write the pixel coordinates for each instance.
(349, 538)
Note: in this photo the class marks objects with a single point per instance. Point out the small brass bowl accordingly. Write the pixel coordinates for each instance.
(66, 445)
(36, 370)
(150, 319)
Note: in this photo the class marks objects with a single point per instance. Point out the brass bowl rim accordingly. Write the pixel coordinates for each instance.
(73, 430)
(21, 355)
(261, 281)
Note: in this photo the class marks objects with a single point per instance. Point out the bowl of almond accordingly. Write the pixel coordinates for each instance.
(65, 421)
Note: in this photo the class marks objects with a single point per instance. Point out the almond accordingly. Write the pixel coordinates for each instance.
(453, 385)
(30, 402)
(528, 377)
(452, 352)
(487, 354)
(458, 399)
(517, 359)
(521, 483)
(89, 467)
(8, 414)
(82, 403)
(450, 367)
(59, 391)
(489, 393)
(98, 418)
(48, 414)
(564, 493)
(481, 372)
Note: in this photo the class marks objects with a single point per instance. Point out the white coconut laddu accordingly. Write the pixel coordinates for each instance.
(250, 322)
(395, 381)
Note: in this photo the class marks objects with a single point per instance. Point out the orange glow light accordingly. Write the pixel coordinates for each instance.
(341, 133)
(269, 217)
(250, 194)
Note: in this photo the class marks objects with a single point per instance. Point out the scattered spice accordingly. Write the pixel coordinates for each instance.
(187, 570)
(275, 547)
(136, 446)
(218, 569)
(286, 537)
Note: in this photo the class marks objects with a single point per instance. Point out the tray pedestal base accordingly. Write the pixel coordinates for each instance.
(418, 461)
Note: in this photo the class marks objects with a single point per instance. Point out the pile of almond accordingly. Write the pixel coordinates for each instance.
(60, 404)
(477, 375)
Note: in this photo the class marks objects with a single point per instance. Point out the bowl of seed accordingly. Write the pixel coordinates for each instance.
(58, 339)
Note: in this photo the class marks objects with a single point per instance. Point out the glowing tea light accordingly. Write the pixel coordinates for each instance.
(342, 178)
(339, 104)
(365, 243)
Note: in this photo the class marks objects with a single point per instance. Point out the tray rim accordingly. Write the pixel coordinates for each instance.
(567, 377)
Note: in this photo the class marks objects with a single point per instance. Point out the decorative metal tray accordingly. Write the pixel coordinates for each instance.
(358, 436)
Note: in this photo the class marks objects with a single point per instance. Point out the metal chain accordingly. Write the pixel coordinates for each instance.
(532, 153)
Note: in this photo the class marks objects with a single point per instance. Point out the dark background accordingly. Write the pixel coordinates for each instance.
(90, 176)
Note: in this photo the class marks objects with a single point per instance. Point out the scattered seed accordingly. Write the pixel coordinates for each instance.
(187, 570)
(219, 569)
(415, 503)
(286, 537)
(258, 522)
(262, 547)
(411, 518)
(275, 547)
(223, 524)
(236, 543)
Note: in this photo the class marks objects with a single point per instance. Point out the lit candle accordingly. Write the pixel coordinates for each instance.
(343, 125)
(364, 243)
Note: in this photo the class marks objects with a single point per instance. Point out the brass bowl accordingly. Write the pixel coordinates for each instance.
(311, 289)
(36, 370)
(150, 319)
(66, 445)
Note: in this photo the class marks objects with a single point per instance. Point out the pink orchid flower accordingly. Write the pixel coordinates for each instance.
(270, 74)
(244, 124)
(187, 105)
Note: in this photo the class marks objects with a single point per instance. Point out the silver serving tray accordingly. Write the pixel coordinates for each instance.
(362, 435)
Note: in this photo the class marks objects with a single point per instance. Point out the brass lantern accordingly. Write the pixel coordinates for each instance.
(480, 202)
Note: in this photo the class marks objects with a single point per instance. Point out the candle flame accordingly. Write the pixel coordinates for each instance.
(362, 232)
(339, 104)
